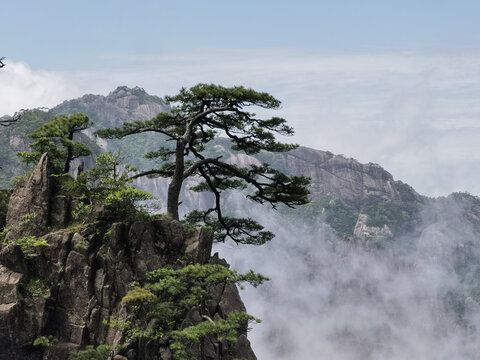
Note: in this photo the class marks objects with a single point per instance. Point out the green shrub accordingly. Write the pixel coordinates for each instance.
(107, 192)
(102, 352)
(28, 244)
(4, 199)
(37, 288)
(82, 212)
(45, 341)
(169, 294)
(224, 330)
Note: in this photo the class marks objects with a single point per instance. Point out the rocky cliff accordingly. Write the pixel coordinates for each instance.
(121, 105)
(63, 284)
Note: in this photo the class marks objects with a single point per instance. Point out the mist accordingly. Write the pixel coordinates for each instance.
(329, 298)
(420, 110)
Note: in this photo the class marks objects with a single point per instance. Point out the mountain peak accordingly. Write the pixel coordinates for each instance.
(124, 104)
(122, 91)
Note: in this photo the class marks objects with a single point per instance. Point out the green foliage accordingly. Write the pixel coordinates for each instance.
(188, 228)
(80, 244)
(341, 217)
(406, 192)
(107, 236)
(4, 199)
(138, 294)
(10, 162)
(26, 219)
(239, 229)
(102, 352)
(199, 114)
(37, 287)
(56, 138)
(114, 187)
(223, 330)
(3, 234)
(28, 244)
(106, 187)
(45, 341)
(335, 212)
(401, 217)
(83, 212)
(169, 294)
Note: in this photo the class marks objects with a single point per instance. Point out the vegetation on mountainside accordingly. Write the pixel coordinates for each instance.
(106, 191)
(168, 295)
(9, 120)
(197, 115)
(4, 198)
(14, 138)
(101, 352)
(401, 216)
(57, 138)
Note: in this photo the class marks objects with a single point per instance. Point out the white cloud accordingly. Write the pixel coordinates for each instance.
(335, 299)
(23, 88)
(416, 115)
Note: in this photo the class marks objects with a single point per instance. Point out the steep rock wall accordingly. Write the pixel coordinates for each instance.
(69, 287)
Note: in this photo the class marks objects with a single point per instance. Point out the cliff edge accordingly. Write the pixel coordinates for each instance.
(64, 284)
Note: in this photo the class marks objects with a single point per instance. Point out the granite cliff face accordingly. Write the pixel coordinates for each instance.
(339, 177)
(67, 286)
(121, 105)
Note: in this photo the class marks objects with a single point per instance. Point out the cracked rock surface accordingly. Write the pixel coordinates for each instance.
(69, 287)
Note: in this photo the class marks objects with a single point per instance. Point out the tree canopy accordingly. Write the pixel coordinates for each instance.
(56, 138)
(106, 187)
(8, 120)
(196, 117)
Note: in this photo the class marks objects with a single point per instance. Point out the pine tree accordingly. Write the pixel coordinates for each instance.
(57, 139)
(197, 115)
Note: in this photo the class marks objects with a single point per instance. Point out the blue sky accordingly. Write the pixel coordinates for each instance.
(60, 35)
(391, 82)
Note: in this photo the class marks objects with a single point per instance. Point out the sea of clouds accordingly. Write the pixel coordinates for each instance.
(416, 115)
(334, 299)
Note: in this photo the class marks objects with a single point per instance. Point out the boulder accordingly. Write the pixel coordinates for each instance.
(29, 207)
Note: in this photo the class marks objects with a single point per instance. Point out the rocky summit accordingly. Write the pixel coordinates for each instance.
(66, 283)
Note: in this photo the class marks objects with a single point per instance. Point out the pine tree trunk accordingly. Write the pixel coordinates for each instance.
(176, 184)
(66, 169)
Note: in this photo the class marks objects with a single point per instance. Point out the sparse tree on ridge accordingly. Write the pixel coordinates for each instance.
(56, 138)
(197, 115)
(7, 121)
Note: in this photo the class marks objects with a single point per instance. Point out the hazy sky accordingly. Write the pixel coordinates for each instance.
(391, 82)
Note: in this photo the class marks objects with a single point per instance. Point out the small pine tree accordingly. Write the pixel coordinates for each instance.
(57, 139)
(107, 186)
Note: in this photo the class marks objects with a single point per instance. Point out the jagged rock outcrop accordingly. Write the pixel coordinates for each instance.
(339, 177)
(121, 105)
(69, 287)
(29, 206)
(363, 231)
(18, 143)
(36, 204)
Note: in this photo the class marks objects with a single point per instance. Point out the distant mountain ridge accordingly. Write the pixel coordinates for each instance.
(341, 188)
(124, 104)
